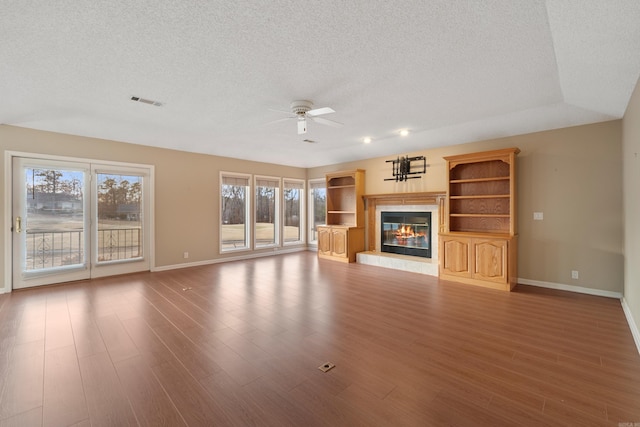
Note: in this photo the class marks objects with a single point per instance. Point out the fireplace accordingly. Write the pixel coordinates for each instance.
(411, 204)
(406, 233)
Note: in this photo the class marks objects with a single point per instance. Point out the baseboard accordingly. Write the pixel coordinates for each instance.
(571, 288)
(632, 324)
(229, 259)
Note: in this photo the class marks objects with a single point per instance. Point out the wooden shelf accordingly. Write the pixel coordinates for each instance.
(342, 179)
(481, 188)
(334, 187)
(483, 196)
(480, 215)
(466, 181)
(341, 212)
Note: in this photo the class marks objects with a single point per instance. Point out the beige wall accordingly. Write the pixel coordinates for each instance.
(186, 187)
(572, 175)
(631, 155)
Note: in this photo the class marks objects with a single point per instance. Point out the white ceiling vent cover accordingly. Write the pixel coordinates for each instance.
(146, 101)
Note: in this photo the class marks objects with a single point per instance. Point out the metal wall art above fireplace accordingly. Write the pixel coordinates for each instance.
(406, 233)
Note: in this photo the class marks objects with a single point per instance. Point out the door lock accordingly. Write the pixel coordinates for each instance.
(18, 227)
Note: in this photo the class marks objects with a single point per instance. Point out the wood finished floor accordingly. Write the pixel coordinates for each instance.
(240, 343)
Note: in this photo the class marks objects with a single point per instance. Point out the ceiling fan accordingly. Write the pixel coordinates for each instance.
(302, 110)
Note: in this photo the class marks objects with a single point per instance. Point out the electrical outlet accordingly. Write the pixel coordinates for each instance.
(574, 274)
(185, 255)
(538, 216)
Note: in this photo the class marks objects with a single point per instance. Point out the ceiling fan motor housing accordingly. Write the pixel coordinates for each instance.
(301, 107)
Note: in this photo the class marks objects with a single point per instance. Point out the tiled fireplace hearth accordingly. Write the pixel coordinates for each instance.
(401, 202)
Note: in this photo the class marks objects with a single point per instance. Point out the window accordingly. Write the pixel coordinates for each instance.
(234, 227)
(266, 220)
(279, 211)
(317, 207)
(293, 200)
(119, 216)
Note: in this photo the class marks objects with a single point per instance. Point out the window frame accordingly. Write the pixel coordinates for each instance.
(276, 214)
(143, 175)
(312, 184)
(248, 219)
(301, 213)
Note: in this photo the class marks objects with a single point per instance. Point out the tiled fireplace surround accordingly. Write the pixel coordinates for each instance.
(402, 202)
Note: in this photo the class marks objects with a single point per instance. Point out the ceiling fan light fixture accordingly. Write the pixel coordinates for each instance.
(302, 125)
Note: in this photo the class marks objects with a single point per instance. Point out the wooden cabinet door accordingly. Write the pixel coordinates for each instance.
(339, 242)
(324, 240)
(490, 260)
(455, 256)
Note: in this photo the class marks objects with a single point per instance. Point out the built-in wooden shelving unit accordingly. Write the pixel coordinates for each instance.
(479, 243)
(343, 235)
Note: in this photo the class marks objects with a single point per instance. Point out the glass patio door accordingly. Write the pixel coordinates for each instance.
(120, 231)
(74, 221)
(50, 222)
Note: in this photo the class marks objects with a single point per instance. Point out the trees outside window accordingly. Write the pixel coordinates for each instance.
(266, 212)
(55, 218)
(119, 216)
(234, 202)
(293, 200)
(277, 215)
(317, 207)
(119, 196)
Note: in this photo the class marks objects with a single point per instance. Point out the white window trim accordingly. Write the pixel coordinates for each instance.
(248, 223)
(302, 214)
(311, 208)
(277, 214)
(146, 207)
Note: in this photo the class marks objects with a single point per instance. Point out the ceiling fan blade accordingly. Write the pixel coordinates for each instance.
(279, 120)
(302, 126)
(327, 122)
(320, 111)
(288, 113)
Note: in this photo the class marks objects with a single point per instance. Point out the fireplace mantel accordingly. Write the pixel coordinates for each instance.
(423, 198)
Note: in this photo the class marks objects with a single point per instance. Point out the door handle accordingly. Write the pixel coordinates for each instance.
(18, 224)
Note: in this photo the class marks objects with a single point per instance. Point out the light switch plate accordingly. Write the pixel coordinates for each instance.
(538, 216)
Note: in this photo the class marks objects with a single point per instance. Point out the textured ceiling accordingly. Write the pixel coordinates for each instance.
(449, 71)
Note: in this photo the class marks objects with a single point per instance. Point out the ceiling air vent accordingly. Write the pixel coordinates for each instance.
(146, 101)
(309, 141)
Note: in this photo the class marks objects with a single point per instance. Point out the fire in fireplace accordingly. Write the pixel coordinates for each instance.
(407, 233)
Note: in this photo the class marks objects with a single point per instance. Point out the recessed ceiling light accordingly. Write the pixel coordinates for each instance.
(404, 132)
(366, 140)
